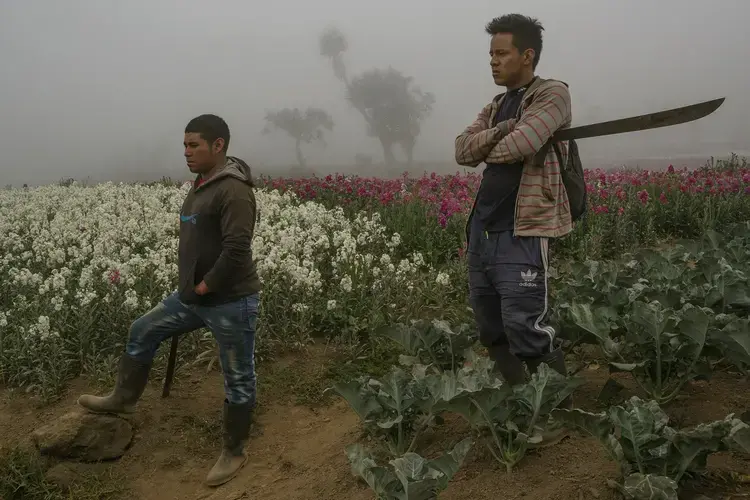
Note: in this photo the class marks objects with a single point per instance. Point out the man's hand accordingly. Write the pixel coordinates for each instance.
(202, 288)
(477, 140)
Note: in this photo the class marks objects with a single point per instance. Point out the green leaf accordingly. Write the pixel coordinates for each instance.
(449, 463)
(546, 390)
(739, 436)
(694, 324)
(595, 424)
(598, 321)
(380, 479)
(626, 367)
(651, 317)
(389, 423)
(409, 467)
(359, 396)
(641, 427)
(403, 335)
(690, 448)
(394, 391)
(649, 487)
(734, 339)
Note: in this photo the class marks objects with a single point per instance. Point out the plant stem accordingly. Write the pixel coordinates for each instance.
(417, 433)
(658, 368)
(492, 426)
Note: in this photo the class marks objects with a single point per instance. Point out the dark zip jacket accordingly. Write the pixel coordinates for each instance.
(217, 222)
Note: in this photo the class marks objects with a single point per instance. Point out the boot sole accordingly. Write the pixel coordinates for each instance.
(228, 478)
(105, 412)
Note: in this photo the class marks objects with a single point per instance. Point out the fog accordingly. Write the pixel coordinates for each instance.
(104, 89)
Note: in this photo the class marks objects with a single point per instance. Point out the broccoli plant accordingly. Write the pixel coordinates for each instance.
(510, 420)
(401, 406)
(409, 477)
(662, 348)
(654, 457)
(432, 343)
(390, 408)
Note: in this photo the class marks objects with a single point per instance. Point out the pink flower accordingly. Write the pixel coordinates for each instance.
(114, 277)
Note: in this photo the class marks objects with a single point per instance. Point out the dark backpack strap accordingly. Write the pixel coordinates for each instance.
(558, 152)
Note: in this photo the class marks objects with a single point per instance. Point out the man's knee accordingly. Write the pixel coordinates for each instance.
(148, 331)
(140, 344)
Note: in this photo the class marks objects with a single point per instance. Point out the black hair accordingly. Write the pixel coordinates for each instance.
(210, 127)
(526, 31)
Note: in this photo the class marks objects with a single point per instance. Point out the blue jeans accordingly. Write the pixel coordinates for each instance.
(233, 327)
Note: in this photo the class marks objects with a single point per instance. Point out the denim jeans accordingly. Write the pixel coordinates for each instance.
(233, 327)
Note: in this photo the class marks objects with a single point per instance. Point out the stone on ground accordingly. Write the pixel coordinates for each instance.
(85, 436)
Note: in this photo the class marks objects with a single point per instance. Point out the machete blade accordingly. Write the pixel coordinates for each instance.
(648, 121)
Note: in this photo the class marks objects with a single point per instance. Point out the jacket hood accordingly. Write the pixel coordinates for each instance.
(234, 167)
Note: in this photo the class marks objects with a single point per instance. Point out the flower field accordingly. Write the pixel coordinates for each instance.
(657, 280)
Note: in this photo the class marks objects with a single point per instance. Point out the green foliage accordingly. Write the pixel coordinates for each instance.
(432, 343)
(409, 477)
(665, 316)
(654, 457)
(515, 418)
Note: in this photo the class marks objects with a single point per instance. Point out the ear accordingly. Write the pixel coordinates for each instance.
(528, 56)
(217, 146)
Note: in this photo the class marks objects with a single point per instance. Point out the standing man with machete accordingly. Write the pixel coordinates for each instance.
(218, 289)
(520, 205)
(532, 190)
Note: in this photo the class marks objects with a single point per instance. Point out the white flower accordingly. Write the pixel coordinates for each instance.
(331, 305)
(443, 279)
(300, 307)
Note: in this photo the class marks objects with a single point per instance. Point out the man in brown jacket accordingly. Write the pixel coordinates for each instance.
(218, 289)
(520, 204)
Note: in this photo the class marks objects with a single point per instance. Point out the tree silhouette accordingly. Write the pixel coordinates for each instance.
(392, 106)
(304, 127)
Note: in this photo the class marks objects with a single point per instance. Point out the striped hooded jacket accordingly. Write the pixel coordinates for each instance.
(542, 203)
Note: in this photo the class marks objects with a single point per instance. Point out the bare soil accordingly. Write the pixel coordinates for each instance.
(297, 451)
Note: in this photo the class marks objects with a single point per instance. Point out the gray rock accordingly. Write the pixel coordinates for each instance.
(85, 436)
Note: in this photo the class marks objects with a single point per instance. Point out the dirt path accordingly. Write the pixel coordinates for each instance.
(298, 452)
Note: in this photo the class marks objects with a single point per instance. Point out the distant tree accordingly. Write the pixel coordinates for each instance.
(333, 44)
(392, 106)
(302, 127)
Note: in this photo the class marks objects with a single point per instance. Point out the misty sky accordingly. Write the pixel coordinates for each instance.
(101, 86)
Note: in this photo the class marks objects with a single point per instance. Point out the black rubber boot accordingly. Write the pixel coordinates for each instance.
(131, 381)
(237, 421)
(507, 364)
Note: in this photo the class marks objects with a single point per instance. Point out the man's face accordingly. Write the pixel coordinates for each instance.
(199, 154)
(507, 63)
